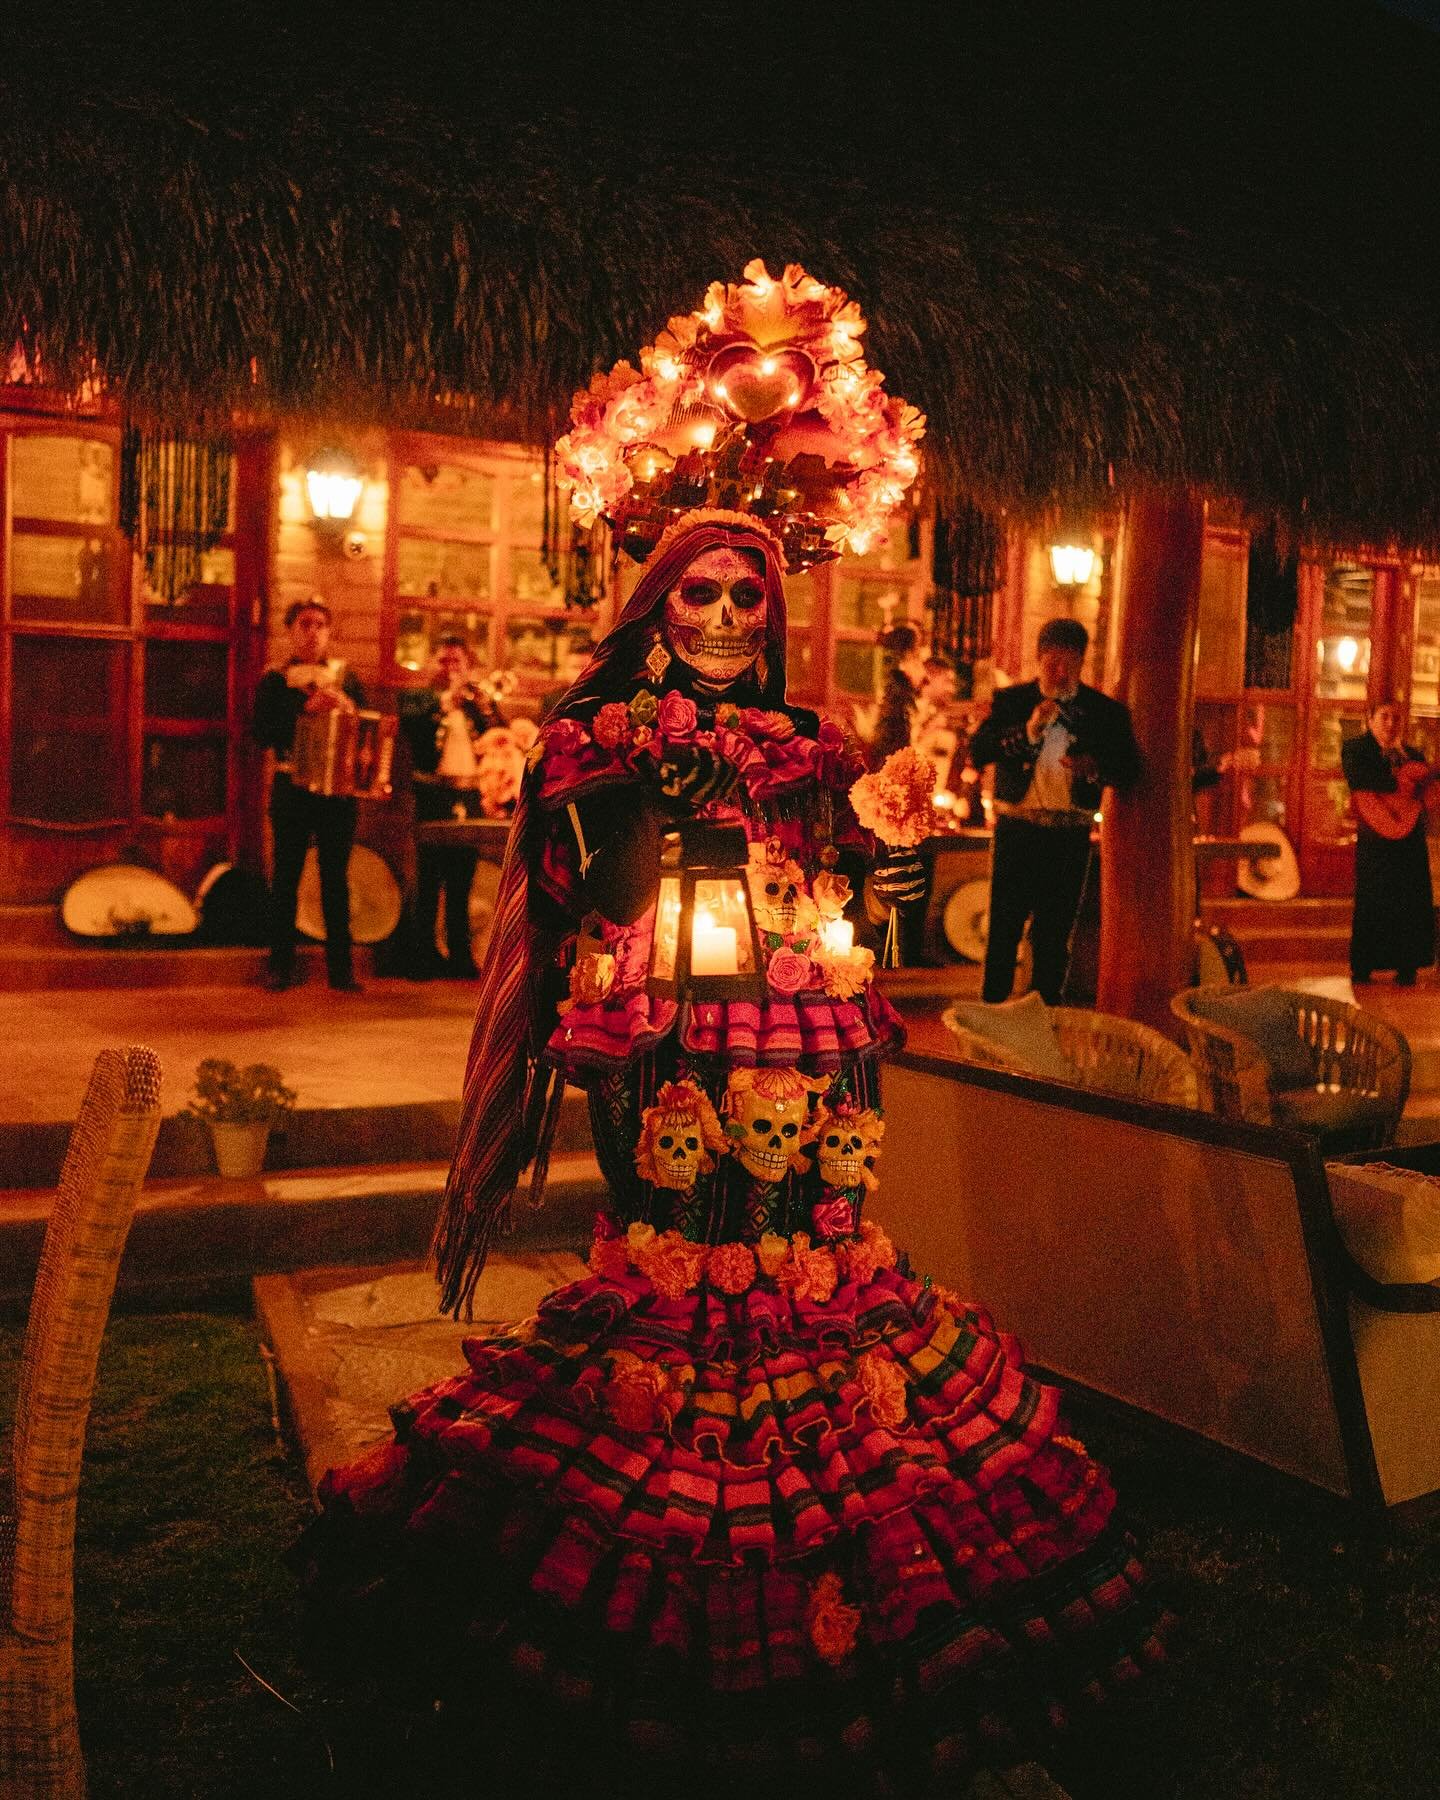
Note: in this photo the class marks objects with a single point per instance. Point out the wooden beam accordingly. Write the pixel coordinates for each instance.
(1147, 861)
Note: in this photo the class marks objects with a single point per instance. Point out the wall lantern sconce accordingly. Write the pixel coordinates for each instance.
(706, 945)
(1072, 562)
(333, 485)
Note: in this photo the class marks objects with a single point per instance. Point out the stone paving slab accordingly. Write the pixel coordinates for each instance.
(349, 1343)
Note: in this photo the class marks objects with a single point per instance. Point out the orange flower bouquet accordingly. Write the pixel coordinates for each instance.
(896, 803)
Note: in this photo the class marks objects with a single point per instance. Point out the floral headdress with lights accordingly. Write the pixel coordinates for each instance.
(759, 402)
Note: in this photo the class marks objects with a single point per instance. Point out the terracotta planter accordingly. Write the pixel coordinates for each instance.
(239, 1149)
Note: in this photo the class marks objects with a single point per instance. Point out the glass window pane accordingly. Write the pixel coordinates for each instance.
(441, 571)
(856, 668)
(800, 660)
(446, 497)
(1425, 654)
(183, 778)
(70, 479)
(530, 580)
(62, 578)
(532, 643)
(800, 599)
(1330, 729)
(1220, 639)
(1328, 814)
(527, 505)
(418, 627)
(1342, 650)
(1270, 729)
(68, 759)
(866, 605)
(185, 681)
(1262, 798)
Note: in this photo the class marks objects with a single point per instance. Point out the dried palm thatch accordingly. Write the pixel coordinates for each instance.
(1099, 251)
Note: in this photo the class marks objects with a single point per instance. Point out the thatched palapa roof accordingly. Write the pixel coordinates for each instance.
(1100, 250)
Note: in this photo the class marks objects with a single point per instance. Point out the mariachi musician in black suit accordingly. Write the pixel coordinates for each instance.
(1056, 745)
(1393, 926)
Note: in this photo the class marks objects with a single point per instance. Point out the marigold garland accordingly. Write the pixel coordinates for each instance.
(675, 1265)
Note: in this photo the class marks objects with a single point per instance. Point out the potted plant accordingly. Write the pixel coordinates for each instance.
(240, 1106)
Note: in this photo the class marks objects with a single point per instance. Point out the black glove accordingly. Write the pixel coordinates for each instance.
(694, 774)
(898, 880)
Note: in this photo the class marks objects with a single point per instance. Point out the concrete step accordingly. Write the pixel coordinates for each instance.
(32, 967)
(198, 1231)
(31, 1154)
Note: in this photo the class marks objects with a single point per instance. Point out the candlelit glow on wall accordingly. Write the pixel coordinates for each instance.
(705, 944)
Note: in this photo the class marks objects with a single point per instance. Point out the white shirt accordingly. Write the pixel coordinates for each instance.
(1050, 783)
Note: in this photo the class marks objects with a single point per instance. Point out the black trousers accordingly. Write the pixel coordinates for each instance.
(297, 817)
(444, 873)
(1037, 874)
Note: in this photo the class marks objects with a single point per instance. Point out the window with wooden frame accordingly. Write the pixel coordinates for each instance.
(463, 556)
(69, 651)
(188, 697)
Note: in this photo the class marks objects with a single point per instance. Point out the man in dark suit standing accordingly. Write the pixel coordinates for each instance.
(1056, 744)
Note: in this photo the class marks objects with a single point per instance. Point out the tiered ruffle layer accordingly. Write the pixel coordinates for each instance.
(751, 1526)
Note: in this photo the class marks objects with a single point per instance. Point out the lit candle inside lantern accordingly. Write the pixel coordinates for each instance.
(714, 949)
(839, 936)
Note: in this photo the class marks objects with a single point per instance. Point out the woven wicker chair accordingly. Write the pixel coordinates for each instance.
(105, 1165)
(1108, 1054)
(1355, 1054)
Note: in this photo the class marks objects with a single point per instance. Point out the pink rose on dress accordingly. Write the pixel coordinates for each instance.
(833, 1218)
(565, 737)
(611, 725)
(789, 972)
(678, 717)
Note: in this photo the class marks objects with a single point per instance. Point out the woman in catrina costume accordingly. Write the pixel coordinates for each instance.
(751, 1496)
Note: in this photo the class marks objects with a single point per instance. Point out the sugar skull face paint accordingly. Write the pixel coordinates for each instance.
(715, 615)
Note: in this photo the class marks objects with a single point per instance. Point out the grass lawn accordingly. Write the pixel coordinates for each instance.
(1307, 1666)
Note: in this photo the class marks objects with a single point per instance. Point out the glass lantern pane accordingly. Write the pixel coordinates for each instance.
(722, 939)
(666, 944)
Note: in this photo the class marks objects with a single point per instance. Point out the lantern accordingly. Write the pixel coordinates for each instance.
(706, 946)
(332, 485)
(1072, 563)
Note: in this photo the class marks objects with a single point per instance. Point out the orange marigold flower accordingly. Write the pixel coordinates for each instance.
(672, 1264)
(810, 1274)
(879, 1243)
(833, 1624)
(883, 1386)
(609, 1257)
(773, 1251)
(859, 1262)
(731, 1268)
(635, 1392)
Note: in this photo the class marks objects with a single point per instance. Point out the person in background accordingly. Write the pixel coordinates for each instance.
(445, 723)
(916, 688)
(310, 681)
(1393, 924)
(1056, 744)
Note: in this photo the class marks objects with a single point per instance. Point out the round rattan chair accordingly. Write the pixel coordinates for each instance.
(1361, 1069)
(1107, 1054)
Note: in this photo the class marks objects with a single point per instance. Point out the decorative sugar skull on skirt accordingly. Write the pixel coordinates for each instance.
(776, 887)
(680, 1137)
(767, 1117)
(847, 1145)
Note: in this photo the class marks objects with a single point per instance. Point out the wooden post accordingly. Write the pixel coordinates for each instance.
(1147, 858)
